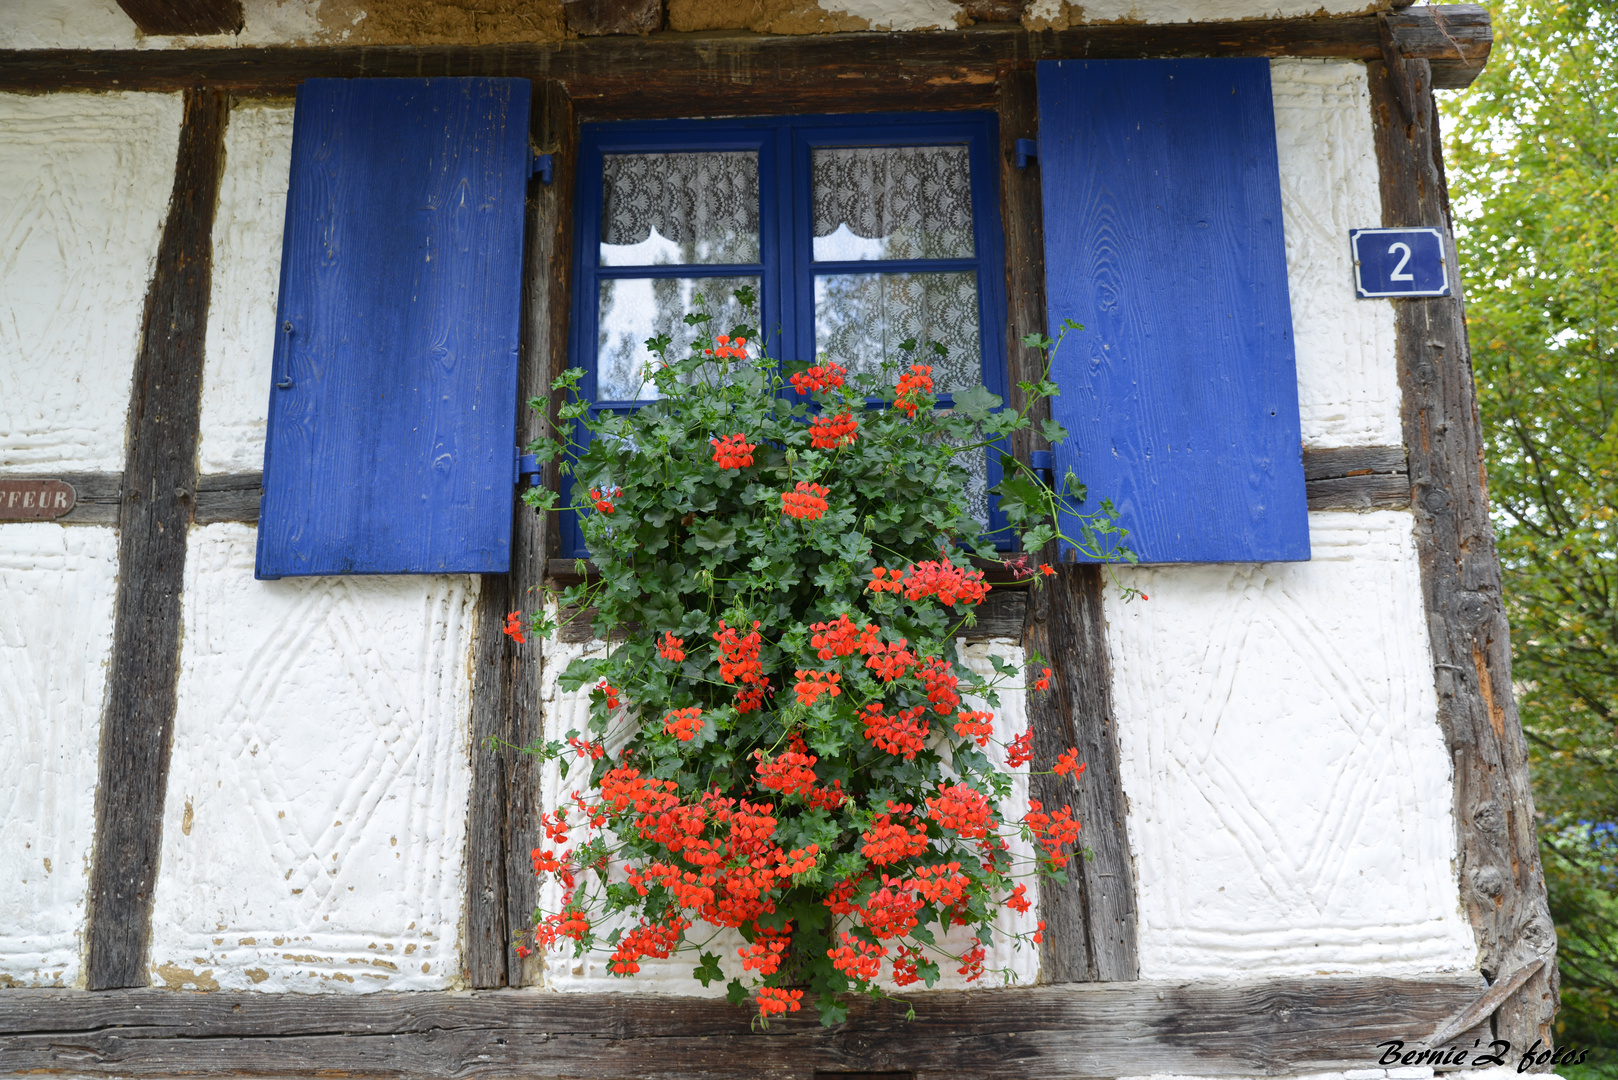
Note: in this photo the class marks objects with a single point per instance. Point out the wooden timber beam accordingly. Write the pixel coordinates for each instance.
(690, 74)
(184, 17)
(1352, 478)
(155, 514)
(1271, 1028)
(1502, 885)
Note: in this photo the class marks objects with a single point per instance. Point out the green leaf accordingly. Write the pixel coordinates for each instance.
(976, 401)
(1054, 433)
(736, 993)
(713, 533)
(708, 971)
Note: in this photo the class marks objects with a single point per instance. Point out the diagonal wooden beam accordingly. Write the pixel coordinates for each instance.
(184, 17)
(159, 484)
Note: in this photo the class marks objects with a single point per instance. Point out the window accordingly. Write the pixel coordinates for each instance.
(857, 232)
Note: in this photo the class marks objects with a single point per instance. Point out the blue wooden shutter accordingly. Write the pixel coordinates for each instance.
(393, 406)
(1162, 207)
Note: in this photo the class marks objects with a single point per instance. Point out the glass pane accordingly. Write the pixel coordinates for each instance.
(634, 309)
(679, 208)
(892, 202)
(860, 319)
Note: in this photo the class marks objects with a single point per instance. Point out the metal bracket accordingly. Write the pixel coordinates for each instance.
(1027, 150)
(1043, 462)
(525, 466)
(542, 167)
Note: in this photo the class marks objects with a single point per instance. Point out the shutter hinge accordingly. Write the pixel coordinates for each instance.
(525, 465)
(1027, 150)
(1043, 462)
(541, 167)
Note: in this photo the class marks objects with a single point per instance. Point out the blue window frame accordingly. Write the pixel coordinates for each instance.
(793, 284)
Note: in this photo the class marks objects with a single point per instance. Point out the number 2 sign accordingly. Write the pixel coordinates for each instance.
(1399, 262)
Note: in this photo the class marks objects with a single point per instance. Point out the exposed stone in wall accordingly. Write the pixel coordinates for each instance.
(441, 22)
(1289, 790)
(84, 189)
(55, 638)
(315, 824)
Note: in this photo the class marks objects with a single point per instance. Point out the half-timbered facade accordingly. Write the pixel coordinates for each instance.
(251, 646)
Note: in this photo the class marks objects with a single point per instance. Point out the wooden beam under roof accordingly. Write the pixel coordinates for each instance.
(695, 74)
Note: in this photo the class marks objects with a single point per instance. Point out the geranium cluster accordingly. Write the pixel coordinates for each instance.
(798, 753)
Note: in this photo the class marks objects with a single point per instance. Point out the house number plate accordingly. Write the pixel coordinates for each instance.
(34, 500)
(1399, 262)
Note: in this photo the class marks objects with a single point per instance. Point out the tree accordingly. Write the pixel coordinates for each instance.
(1533, 146)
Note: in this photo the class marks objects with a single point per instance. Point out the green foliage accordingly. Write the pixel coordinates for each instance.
(780, 741)
(1532, 155)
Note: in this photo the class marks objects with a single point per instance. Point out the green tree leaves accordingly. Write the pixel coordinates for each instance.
(1532, 153)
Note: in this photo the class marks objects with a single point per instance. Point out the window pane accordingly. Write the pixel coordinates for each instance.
(634, 309)
(679, 208)
(860, 319)
(892, 202)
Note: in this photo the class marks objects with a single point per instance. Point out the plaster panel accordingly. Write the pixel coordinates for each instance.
(316, 813)
(84, 187)
(55, 640)
(1289, 792)
(566, 712)
(1348, 382)
(1060, 14)
(246, 275)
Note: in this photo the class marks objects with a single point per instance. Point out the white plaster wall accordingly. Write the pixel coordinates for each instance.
(55, 639)
(316, 817)
(566, 712)
(1348, 382)
(1178, 11)
(84, 188)
(246, 276)
(1288, 788)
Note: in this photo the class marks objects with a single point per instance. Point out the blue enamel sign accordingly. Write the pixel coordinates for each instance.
(1399, 262)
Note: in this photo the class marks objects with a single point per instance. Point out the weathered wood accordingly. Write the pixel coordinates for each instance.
(691, 74)
(1090, 924)
(96, 497)
(1502, 885)
(159, 476)
(1044, 1033)
(1356, 478)
(484, 946)
(229, 497)
(544, 355)
(1021, 214)
(184, 16)
(1479, 1012)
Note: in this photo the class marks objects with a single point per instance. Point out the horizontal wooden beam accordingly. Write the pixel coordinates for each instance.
(1270, 1028)
(692, 74)
(1356, 478)
(99, 495)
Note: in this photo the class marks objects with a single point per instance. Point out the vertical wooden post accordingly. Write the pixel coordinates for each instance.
(1502, 885)
(549, 280)
(503, 826)
(160, 476)
(1090, 926)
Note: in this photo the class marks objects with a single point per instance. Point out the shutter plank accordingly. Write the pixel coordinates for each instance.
(1163, 236)
(391, 449)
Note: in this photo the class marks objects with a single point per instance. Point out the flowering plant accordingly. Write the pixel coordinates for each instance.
(785, 742)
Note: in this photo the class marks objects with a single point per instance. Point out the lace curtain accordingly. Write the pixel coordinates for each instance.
(633, 309)
(679, 208)
(905, 202)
